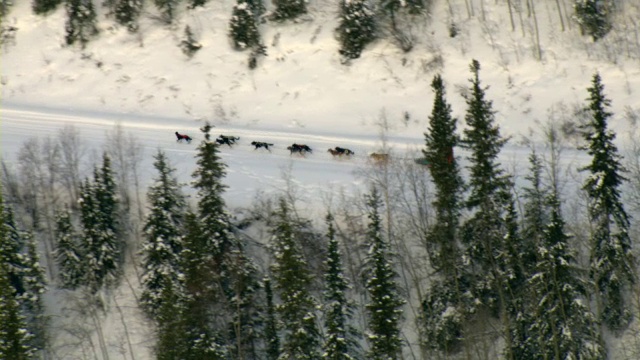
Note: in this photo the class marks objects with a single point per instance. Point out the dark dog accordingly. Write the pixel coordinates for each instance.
(229, 140)
(183, 137)
(299, 148)
(260, 144)
(338, 151)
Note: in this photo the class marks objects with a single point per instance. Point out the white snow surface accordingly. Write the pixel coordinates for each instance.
(299, 93)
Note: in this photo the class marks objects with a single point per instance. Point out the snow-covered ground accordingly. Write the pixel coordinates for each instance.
(302, 93)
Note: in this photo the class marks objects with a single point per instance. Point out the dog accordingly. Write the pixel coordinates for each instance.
(229, 140)
(181, 137)
(338, 151)
(232, 139)
(260, 144)
(299, 148)
(379, 158)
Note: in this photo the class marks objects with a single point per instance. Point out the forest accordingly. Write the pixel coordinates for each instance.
(463, 258)
(452, 262)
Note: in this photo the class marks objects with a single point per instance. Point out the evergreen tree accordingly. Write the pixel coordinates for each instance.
(512, 275)
(211, 206)
(243, 29)
(245, 322)
(167, 9)
(562, 326)
(14, 336)
(170, 314)
(356, 29)
(103, 250)
(445, 308)
(594, 17)
(11, 245)
(163, 231)
(127, 13)
(341, 337)
(271, 336)
(81, 23)
(221, 279)
(440, 140)
(67, 255)
(200, 338)
(612, 263)
(293, 281)
(385, 304)
(535, 221)
(489, 197)
(41, 7)
(483, 139)
(32, 301)
(257, 8)
(444, 312)
(490, 234)
(289, 9)
(536, 212)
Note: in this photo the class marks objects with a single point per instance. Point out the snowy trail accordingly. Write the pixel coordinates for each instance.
(249, 170)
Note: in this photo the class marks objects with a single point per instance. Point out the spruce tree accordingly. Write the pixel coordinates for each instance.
(103, 248)
(594, 17)
(293, 282)
(42, 7)
(612, 263)
(271, 337)
(67, 254)
(32, 301)
(170, 317)
(200, 338)
(385, 303)
(81, 24)
(257, 8)
(440, 140)
(562, 326)
(356, 29)
(442, 327)
(489, 234)
(489, 195)
(243, 28)
(535, 220)
(246, 311)
(127, 13)
(536, 212)
(25, 277)
(11, 245)
(217, 266)
(341, 337)
(163, 231)
(14, 335)
(289, 9)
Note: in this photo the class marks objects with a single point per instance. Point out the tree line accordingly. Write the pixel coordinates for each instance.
(470, 253)
(360, 21)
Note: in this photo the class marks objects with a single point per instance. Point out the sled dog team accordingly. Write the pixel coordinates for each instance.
(300, 149)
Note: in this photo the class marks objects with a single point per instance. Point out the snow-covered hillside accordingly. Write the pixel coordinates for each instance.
(301, 92)
(302, 83)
